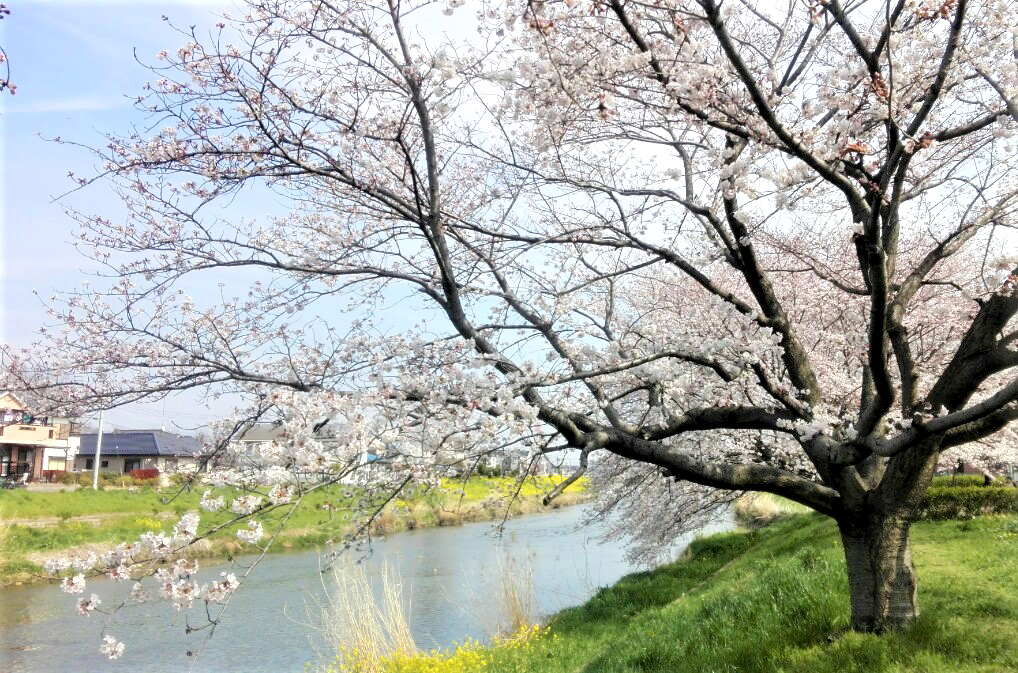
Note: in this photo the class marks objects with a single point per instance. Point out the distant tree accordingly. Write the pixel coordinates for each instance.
(728, 247)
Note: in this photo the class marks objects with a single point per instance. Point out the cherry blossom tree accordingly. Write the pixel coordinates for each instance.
(718, 246)
(5, 65)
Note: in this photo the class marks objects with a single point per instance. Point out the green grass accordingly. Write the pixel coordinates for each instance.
(775, 600)
(322, 516)
(24, 504)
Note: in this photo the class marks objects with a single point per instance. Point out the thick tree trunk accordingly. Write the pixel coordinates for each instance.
(881, 576)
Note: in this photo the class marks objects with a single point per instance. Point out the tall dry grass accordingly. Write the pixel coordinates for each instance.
(516, 595)
(755, 510)
(419, 516)
(505, 601)
(361, 627)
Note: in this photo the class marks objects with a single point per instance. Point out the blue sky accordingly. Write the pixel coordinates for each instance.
(74, 65)
(78, 67)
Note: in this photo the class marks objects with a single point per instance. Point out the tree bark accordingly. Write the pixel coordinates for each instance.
(881, 575)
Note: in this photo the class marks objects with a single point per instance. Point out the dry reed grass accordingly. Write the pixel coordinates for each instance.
(398, 517)
(419, 516)
(505, 602)
(516, 595)
(360, 626)
(756, 510)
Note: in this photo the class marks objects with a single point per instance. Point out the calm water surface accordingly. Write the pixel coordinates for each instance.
(446, 573)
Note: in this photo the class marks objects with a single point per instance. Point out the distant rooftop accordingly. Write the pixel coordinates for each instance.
(140, 443)
(262, 432)
(8, 398)
(269, 431)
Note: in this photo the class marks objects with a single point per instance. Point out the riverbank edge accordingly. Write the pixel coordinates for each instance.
(771, 598)
(27, 568)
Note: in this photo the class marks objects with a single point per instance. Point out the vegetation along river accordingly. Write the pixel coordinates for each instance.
(448, 574)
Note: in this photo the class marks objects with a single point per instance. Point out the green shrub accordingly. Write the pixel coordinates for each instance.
(964, 480)
(968, 499)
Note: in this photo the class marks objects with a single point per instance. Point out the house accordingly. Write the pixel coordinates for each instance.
(260, 433)
(362, 466)
(32, 445)
(127, 450)
(519, 461)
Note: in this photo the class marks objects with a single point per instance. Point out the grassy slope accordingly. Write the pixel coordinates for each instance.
(322, 516)
(775, 600)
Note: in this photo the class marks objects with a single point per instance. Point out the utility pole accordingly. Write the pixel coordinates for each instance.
(98, 448)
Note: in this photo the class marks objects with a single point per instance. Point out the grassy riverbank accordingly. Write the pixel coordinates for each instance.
(36, 525)
(774, 599)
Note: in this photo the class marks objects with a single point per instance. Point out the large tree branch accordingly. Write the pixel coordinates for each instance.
(739, 476)
(942, 425)
(734, 417)
(980, 353)
(980, 429)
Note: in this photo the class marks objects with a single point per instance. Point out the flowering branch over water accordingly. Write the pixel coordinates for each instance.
(714, 247)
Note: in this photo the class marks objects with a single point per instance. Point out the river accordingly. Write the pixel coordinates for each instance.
(446, 571)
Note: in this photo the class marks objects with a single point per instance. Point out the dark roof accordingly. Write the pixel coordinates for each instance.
(140, 443)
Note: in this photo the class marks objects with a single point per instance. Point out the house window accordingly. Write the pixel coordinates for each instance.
(89, 463)
(132, 464)
(105, 463)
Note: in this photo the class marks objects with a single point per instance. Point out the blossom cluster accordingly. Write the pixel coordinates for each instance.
(682, 239)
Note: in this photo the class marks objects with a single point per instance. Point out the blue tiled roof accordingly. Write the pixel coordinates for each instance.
(140, 443)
